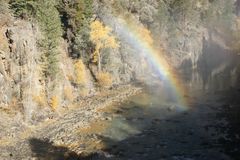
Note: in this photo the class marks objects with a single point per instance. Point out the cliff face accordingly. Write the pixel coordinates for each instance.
(19, 65)
(23, 88)
(197, 38)
(182, 30)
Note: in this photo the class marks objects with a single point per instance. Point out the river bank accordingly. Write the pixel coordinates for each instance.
(131, 123)
(145, 129)
(62, 130)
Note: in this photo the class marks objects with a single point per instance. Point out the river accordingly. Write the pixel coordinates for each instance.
(149, 126)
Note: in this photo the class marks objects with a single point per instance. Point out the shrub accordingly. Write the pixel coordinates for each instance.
(54, 103)
(84, 92)
(104, 79)
(15, 105)
(23, 8)
(80, 71)
(68, 94)
(40, 99)
(144, 32)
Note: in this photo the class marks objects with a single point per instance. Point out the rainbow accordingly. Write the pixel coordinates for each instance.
(129, 32)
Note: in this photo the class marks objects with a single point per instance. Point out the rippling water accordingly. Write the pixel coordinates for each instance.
(151, 126)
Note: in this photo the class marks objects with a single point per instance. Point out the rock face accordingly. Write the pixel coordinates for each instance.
(189, 37)
(19, 66)
(125, 63)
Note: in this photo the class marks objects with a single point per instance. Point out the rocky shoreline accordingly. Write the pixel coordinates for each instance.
(63, 131)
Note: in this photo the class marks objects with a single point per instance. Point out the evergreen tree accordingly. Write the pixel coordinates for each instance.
(23, 8)
(48, 18)
(45, 13)
(76, 16)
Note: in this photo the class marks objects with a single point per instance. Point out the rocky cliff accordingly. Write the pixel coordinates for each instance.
(197, 37)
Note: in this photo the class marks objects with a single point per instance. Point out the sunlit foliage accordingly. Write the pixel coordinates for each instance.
(101, 36)
(54, 102)
(104, 79)
(84, 92)
(80, 71)
(68, 93)
(40, 99)
(146, 34)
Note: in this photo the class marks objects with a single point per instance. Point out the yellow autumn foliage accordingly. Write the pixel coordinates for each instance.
(40, 99)
(104, 79)
(83, 92)
(145, 34)
(68, 93)
(101, 36)
(81, 74)
(54, 102)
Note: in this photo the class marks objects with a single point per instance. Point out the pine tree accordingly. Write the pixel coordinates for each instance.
(48, 18)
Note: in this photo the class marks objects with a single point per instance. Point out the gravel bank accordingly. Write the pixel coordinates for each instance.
(64, 130)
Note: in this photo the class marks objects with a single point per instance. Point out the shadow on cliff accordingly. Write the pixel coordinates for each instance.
(217, 67)
(217, 64)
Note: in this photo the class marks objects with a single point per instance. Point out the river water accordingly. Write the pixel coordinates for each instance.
(150, 126)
